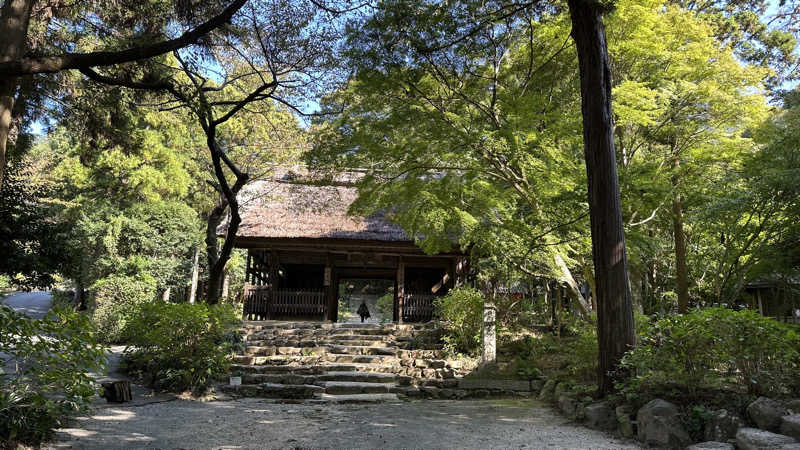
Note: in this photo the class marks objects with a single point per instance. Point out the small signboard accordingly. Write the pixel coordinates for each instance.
(327, 276)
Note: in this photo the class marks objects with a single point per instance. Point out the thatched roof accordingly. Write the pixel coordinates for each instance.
(285, 207)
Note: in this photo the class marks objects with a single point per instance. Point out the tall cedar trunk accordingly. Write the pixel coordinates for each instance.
(14, 19)
(681, 272)
(614, 310)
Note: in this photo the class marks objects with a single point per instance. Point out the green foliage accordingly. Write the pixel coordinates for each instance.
(51, 358)
(461, 313)
(180, 347)
(385, 305)
(117, 300)
(570, 356)
(30, 241)
(714, 347)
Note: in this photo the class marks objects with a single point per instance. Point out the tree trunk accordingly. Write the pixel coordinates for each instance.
(80, 296)
(681, 272)
(615, 333)
(489, 328)
(587, 273)
(195, 275)
(214, 286)
(14, 19)
(573, 290)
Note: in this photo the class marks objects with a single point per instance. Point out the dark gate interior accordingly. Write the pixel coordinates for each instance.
(303, 286)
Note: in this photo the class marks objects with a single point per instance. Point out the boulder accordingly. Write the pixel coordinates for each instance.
(600, 416)
(790, 426)
(660, 425)
(722, 426)
(546, 394)
(560, 389)
(624, 421)
(568, 406)
(793, 406)
(755, 439)
(766, 413)
(711, 445)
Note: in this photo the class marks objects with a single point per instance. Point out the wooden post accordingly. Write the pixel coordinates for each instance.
(401, 288)
(331, 310)
(273, 279)
(117, 391)
(760, 303)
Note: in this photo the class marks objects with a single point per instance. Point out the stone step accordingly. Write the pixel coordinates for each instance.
(361, 350)
(255, 350)
(286, 360)
(354, 387)
(272, 390)
(360, 367)
(363, 377)
(358, 342)
(359, 331)
(356, 398)
(379, 359)
(278, 378)
(358, 337)
(297, 370)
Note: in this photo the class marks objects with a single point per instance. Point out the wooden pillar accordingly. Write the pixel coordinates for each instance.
(274, 279)
(401, 288)
(330, 286)
(247, 271)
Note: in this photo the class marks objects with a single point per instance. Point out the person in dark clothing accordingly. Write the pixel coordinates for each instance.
(363, 311)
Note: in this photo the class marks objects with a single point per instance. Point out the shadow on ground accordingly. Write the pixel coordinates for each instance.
(255, 423)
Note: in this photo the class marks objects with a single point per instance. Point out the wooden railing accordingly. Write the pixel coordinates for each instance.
(262, 304)
(418, 307)
(256, 303)
(298, 304)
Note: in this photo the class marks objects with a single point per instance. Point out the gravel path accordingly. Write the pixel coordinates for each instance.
(166, 422)
(261, 424)
(35, 304)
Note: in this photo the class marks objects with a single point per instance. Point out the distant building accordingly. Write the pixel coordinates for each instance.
(301, 243)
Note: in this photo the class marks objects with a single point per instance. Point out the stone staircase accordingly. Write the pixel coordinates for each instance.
(325, 362)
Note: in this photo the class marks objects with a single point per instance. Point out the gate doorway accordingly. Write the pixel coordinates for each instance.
(377, 294)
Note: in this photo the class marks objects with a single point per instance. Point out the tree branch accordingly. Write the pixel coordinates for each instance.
(51, 64)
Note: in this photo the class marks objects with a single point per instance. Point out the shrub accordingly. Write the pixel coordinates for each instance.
(711, 347)
(571, 356)
(117, 298)
(180, 347)
(49, 384)
(461, 312)
(385, 306)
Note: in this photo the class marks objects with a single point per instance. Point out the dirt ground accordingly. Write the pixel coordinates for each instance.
(164, 421)
(261, 424)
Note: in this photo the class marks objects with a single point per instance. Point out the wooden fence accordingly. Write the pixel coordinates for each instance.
(262, 304)
(418, 307)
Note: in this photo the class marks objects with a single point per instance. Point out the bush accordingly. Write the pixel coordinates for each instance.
(117, 298)
(49, 384)
(180, 347)
(714, 347)
(461, 313)
(385, 306)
